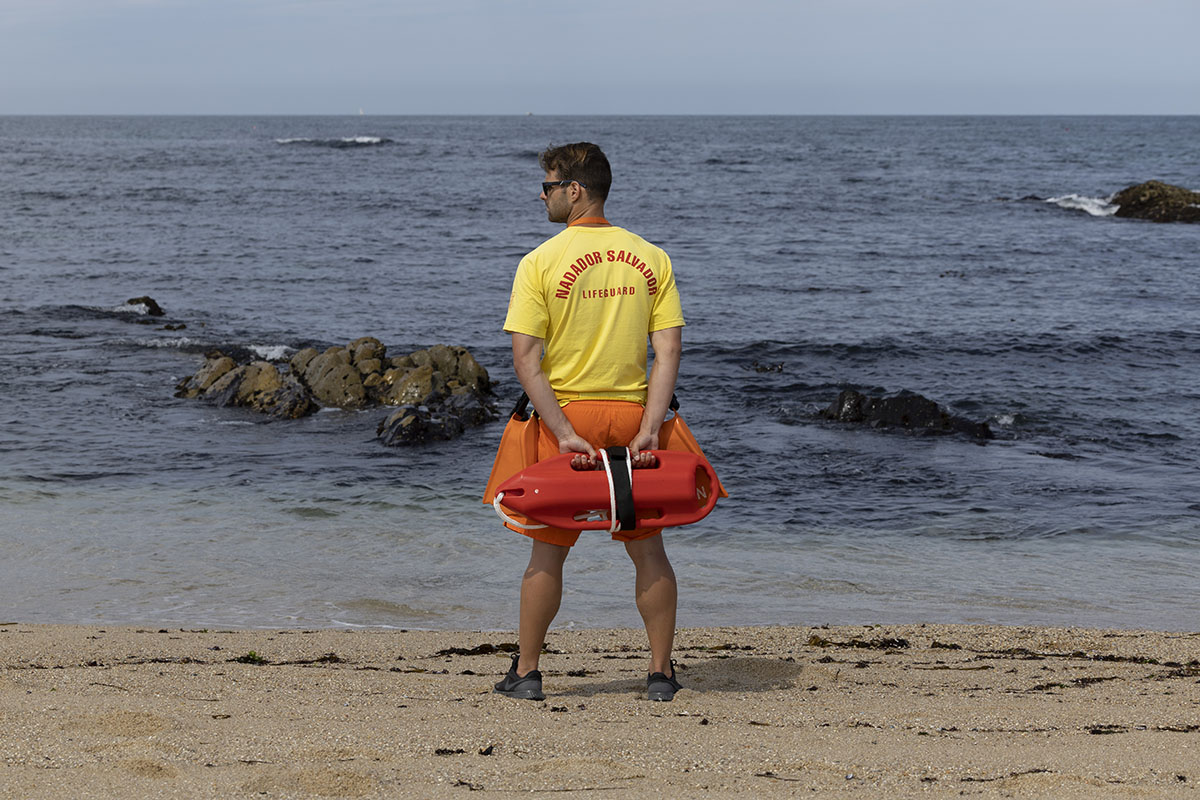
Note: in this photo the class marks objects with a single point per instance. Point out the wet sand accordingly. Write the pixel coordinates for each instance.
(863, 712)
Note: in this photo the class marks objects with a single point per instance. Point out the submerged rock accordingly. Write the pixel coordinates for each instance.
(1158, 202)
(906, 410)
(441, 391)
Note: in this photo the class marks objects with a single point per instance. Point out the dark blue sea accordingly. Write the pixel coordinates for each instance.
(974, 260)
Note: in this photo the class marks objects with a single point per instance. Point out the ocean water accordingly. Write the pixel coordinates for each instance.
(972, 259)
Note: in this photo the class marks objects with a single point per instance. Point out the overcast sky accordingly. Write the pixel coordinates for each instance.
(600, 57)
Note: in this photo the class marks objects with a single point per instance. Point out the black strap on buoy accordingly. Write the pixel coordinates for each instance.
(622, 481)
(520, 411)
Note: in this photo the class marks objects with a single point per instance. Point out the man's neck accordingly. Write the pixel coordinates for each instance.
(588, 216)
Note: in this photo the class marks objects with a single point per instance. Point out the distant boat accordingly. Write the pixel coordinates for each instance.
(360, 112)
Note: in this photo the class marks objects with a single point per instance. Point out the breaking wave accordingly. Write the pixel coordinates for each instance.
(139, 309)
(1096, 206)
(348, 141)
(271, 352)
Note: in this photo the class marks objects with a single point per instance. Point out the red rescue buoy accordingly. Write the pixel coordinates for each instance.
(678, 490)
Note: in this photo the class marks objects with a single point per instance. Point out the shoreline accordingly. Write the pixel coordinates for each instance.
(843, 711)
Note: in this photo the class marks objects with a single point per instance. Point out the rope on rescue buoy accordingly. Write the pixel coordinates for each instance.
(510, 520)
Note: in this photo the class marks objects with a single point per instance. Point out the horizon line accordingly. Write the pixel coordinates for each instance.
(629, 114)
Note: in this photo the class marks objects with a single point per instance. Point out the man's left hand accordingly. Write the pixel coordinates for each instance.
(639, 447)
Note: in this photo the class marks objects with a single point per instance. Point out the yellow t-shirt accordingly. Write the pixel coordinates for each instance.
(593, 295)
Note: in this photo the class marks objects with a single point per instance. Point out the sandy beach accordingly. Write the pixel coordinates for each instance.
(894, 711)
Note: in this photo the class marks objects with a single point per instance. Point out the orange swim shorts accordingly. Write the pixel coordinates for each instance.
(603, 423)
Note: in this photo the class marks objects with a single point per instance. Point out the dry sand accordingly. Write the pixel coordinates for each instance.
(863, 712)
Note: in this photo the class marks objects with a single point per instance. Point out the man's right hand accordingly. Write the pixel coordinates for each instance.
(574, 443)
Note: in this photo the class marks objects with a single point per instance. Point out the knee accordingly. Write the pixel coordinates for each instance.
(648, 552)
(547, 557)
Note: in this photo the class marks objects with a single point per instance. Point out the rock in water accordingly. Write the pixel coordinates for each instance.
(905, 410)
(152, 308)
(289, 401)
(214, 368)
(258, 386)
(299, 362)
(260, 380)
(1158, 202)
(368, 348)
(418, 386)
(417, 425)
(334, 381)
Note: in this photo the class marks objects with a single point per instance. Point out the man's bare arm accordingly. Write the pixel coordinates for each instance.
(527, 361)
(667, 345)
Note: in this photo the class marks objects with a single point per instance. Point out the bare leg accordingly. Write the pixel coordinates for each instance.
(657, 595)
(541, 593)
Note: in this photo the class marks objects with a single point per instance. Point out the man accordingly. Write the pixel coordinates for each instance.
(588, 298)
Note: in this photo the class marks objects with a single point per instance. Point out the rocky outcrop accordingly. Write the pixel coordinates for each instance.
(906, 410)
(361, 375)
(441, 391)
(1158, 202)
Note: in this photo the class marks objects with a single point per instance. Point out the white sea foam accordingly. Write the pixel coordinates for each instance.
(345, 141)
(364, 411)
(1005, 420)
(132, 308)
(1096, 206)
(172, 342)
(271, 352)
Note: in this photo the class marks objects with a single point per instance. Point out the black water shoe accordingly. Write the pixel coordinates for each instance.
(660, 687)
(525, 687)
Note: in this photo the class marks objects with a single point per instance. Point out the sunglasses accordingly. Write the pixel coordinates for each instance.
(548, 185)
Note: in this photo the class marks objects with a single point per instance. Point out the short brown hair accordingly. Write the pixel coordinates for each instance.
(581, 161)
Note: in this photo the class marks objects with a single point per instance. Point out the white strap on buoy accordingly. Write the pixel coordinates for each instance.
(614, 523)
(510, 520)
